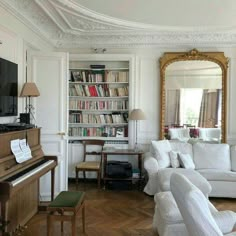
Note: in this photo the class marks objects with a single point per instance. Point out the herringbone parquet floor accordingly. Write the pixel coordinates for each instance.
(108, 213)
(112, 213)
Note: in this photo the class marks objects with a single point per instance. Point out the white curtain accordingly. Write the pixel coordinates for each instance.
(172, 111)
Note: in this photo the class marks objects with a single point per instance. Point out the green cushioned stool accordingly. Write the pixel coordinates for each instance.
(65, 207)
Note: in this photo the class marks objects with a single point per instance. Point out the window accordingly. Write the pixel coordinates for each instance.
(190, 102)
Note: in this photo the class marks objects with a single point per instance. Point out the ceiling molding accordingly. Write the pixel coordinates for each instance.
(66, 24)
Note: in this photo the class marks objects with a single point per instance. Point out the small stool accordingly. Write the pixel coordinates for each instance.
(69, 203)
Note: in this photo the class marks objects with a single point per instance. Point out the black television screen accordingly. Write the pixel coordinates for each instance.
(8, 88)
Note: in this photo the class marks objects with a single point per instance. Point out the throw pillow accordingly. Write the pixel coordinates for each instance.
(160, 150)
(186, 161)
(174, 161)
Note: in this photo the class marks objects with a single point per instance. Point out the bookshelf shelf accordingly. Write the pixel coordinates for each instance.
(98, 100)
(98, 111)
(124, 139)
(79, 82)
(97, 124)
(107, 69)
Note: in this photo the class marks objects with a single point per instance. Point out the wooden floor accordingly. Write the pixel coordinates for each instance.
(112, 213)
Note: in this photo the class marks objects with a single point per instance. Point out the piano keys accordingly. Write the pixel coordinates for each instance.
(32, 172)
(19, 182)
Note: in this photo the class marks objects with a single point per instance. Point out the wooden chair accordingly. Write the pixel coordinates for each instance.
(65, 207)
(90, 165)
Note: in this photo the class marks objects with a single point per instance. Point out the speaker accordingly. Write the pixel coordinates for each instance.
(25, 118)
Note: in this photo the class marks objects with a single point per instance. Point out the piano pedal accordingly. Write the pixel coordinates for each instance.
(19, 230)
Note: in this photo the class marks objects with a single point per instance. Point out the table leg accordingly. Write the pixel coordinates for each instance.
(140, 169)
(104, 169)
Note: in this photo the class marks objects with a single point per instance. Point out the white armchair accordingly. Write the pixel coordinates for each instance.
(181, 134)
(210, 134)
(195, 211)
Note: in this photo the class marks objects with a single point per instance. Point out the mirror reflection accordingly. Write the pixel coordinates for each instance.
(193, 96)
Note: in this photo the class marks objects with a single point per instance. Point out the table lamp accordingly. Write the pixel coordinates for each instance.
(136, 114)
(29, 90)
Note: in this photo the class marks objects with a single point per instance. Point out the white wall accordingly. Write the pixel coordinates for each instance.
(11, 49)
(15, 39)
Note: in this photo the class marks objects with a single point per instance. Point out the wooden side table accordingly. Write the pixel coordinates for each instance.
(123, 152)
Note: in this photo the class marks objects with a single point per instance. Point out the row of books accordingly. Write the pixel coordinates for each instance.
(117, 76)
(101, 90)
(98, 105)
(99, 132)
(99, 76)
(98, 119)
(87, 76)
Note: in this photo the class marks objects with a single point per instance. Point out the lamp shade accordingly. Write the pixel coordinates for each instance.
(29, 90)
(137, 114)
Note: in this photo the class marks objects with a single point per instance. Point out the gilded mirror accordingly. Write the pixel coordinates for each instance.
(193, 92)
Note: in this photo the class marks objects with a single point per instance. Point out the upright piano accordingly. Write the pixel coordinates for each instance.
(19, 182)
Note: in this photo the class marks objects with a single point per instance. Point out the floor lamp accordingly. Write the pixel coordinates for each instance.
(29, 90)
(136, 114)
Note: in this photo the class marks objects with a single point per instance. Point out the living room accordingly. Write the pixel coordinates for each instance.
(50, 35)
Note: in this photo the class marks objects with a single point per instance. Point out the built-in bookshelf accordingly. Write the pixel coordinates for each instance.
(98, 100)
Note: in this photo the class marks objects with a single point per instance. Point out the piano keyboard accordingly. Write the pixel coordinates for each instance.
(31, 173)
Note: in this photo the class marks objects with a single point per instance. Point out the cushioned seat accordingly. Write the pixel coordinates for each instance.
(163, 179)
(218, 175)
(92, 150)
(91, 165)
(66, 202)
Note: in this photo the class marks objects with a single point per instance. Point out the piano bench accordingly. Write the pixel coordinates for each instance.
(65, 207)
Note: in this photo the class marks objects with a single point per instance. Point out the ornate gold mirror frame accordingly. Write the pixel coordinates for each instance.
(171, 57)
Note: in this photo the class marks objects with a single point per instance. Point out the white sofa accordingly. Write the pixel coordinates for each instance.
(215, 162)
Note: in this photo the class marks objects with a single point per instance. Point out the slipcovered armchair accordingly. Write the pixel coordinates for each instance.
(210, 134)
(194, 208)
(182, 134)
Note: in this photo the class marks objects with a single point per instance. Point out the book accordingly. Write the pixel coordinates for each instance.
(120, 132)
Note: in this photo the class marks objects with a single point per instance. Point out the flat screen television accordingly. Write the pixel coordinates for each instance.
(8, 88)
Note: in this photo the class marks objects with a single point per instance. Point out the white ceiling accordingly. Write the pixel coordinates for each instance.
(128, 23)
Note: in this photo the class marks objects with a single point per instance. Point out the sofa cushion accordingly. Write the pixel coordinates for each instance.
(211, 156)
(174, 159)
(186, 161)
(233, 157)
(182, 147)
(217, 175)
(160, 150)
(163, 179)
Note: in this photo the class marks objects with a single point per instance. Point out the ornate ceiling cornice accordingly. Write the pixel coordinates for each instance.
(65, 24)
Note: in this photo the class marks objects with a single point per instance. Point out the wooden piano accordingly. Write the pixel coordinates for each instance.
(19, 182)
